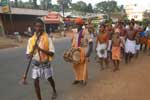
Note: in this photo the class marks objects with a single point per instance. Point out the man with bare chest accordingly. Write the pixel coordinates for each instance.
(116, 50)
(101, 46)
(130, 43)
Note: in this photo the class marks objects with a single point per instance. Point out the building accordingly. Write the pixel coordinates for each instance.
(134, 11)
(18, 20)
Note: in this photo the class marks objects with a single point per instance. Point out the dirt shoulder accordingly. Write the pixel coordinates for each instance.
(132, 82)
(7, 42)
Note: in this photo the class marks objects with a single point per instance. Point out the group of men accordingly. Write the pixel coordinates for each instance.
(113, 43)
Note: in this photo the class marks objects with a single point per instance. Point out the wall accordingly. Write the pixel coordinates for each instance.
(17, 23)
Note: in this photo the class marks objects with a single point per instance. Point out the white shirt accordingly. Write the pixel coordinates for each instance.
(36, 56)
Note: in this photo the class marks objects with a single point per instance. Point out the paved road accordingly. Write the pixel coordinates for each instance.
(13, 64)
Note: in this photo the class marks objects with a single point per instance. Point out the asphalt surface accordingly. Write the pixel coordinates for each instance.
(13, 64)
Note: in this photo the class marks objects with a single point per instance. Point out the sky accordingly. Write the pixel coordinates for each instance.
(143, 4)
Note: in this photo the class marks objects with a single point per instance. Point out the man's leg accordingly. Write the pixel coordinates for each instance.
(122, 52)
(101, 63)
(109, 55)
(126, 57)
(141, 48)
(137, 53)
(145, 47)
(52, 83)
(90, 49)
(106, 62)
(37, 89)
(149, 52)
(114, 62)
(130, 56)
(118, 63)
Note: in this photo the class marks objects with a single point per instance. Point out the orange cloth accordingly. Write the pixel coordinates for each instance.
(143, 40)
(80, 70)
(148, 43)
(43, 44)
(116, 53)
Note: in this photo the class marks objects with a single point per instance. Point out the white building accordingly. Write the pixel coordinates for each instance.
(134, 12)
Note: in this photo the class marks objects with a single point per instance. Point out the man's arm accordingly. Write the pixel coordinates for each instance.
(46, 52)
(51, 51)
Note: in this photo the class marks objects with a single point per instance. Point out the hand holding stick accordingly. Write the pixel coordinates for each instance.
(23, 81)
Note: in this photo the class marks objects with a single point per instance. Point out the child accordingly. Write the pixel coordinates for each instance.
(116, 50)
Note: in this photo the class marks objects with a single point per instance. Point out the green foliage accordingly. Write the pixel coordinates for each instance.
(64, 4)
(82, 7)
(89, 8)
(108, 7)
(55, 8)
(79, 6)
(46, 4)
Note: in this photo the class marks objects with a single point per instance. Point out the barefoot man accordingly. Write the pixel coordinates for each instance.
(148, 38)
(116, 50)
(101, 46)
(80, 69)
(130, 43)
(42, 58)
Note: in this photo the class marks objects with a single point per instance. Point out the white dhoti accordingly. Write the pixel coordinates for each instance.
(43, 71)
(137, 47)
(102, 50)
(130, 46)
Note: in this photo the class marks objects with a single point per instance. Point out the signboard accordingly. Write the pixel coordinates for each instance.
(5, 6)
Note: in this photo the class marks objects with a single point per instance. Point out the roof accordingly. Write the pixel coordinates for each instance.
(53, 18)
(23, 11)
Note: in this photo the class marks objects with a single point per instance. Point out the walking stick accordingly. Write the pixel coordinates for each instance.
(23, 81)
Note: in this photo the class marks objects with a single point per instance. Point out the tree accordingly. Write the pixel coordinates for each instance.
(64, 4)
(108, 7)
(89, 8)
(45, 4)
(80, 6)
(30, 1)
(146, 14)
(20, 4)
(55, 8)
(35, 4)
(16, 3)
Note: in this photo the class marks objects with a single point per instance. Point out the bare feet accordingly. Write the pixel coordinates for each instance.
(76, 82)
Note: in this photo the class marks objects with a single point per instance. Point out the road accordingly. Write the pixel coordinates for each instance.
(130, 83)
(13, 64)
